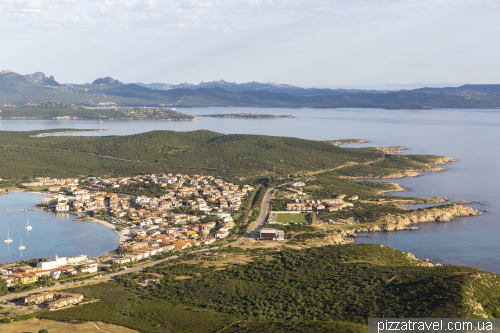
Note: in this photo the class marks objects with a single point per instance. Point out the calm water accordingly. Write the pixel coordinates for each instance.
(470, 136)
(52, 234)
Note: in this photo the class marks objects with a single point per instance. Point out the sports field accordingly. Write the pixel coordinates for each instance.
(296, 218)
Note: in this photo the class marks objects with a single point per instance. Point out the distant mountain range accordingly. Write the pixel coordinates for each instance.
(18, 90)
(253, 86)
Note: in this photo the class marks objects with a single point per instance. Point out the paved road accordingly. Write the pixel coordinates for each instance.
(260, 220)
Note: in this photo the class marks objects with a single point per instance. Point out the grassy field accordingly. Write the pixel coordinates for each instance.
(295, 218)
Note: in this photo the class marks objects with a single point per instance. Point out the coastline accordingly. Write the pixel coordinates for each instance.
(62, 132)
(398, 223)
(122, 237)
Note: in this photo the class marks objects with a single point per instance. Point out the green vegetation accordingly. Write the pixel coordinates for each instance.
(130, 307)
(306, 290)
(342, 141)
(330, 184)
(365, 212)
(294, 327)
(57, 110)
(30, 316)
(295, 218)
(392, 164)
(200, 151)
(351, 282)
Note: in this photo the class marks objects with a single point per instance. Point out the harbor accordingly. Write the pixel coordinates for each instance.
(46, 234)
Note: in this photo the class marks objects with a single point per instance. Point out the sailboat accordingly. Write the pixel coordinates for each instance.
(8, 240)
(28, 227)
(21, 247)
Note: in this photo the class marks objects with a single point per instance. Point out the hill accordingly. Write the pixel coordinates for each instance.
(235, 155)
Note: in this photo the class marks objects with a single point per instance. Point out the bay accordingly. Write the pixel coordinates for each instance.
(470, 136)
(52, 234)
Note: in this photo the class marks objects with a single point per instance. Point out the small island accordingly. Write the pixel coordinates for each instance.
(247, 115)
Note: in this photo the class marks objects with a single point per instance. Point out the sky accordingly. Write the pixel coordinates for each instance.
(380, 44)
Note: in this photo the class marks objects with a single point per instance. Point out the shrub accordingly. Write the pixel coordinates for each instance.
(6, 320)
(43, 330)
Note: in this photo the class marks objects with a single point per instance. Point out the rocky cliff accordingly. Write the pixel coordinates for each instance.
(41, 78)
(404, 222)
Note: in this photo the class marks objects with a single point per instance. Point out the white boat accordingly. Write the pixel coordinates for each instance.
(8, 240)
(28, 227)
(21, 247)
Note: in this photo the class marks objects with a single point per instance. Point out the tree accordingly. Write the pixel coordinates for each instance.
(3, 287)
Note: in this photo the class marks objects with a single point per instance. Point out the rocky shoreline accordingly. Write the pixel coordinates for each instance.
(407, 221)
(439, 160)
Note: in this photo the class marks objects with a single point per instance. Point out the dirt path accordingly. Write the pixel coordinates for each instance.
(344, 166)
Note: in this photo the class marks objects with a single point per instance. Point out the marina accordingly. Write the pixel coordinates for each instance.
(22, 210)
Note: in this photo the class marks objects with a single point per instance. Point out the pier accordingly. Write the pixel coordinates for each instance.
(22, 210)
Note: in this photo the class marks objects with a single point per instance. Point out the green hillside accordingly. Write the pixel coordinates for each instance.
(235, 155)
(310, 290)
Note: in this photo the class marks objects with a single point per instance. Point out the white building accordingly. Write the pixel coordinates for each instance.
(76, 260)
(88, 269)
(56, 263)
(61, 207)
(55, 274)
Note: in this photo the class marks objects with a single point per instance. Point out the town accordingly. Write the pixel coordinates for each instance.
(156, 215)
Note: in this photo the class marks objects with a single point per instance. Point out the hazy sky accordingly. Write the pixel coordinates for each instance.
(335, 43)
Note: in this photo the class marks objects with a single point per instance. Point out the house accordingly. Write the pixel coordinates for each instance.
(76, 260)
(90, 268)
(221, 234)
(55, 299)
(25, 278)
(9, 280)
(40, 273)
(182, 245)
(131, 246)
(62, 207)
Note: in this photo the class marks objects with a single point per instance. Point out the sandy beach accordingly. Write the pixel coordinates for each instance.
(122, 238)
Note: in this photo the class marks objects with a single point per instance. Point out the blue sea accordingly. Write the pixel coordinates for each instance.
(52, 234)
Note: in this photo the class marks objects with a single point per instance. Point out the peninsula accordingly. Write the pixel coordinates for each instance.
(61, 111)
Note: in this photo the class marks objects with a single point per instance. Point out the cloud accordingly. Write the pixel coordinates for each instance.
(204, 16)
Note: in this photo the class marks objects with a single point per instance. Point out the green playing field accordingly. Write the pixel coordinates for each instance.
(296, 218)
